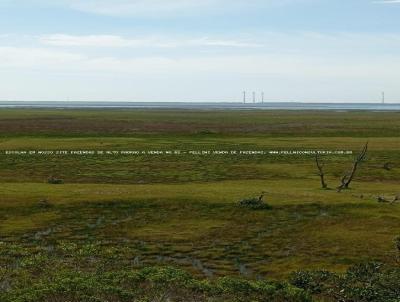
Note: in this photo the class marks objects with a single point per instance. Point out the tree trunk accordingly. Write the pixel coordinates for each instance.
(320, 171)
(347, 179)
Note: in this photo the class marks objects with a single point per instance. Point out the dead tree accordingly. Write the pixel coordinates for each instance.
(320, 171)
(348, 178)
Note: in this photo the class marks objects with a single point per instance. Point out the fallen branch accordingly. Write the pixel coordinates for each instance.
(382, 199)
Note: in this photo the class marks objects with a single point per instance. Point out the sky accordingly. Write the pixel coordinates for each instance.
(199, 50)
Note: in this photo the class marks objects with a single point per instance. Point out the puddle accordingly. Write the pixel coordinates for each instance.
(40, 234)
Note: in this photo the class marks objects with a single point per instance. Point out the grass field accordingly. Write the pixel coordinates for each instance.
(182, 210)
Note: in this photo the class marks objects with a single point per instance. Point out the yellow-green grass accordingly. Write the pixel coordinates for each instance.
(189, 168)
(280, 192)
(24, 223)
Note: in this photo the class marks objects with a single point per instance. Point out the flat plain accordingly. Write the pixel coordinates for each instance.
(182, 209)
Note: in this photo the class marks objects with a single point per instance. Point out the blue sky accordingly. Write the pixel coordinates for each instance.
(199, 50)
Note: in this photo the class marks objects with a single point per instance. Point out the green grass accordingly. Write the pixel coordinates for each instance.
(183, 210)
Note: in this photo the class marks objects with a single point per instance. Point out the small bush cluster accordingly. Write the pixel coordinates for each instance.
(254, 204)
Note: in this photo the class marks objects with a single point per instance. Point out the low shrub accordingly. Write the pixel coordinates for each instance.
(366, 282)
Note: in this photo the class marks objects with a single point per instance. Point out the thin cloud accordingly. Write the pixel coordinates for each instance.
(42, 59)
(156, 8)
(115, 41)
(98, 77)
(136, 7)
(159, 8)
(293, 54)
(387, 1)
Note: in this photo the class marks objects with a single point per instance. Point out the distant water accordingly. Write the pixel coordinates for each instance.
(205, 106)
